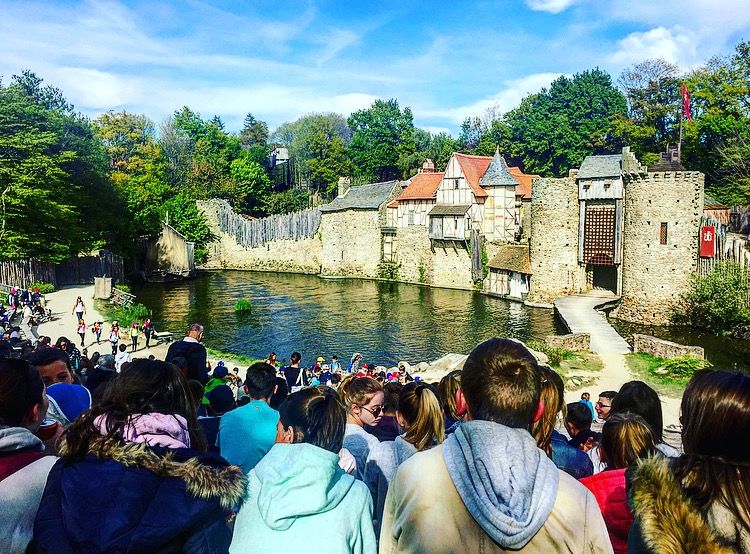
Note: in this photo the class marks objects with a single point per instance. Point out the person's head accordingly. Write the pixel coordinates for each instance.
(585, 396)
(79, 299)
(53, 365)
(334, 358)
(196, 392)
(67, 402)
(63, 343)
(500, 382)
(146, 386)
(23, 402)
(363, 398)
(391, 391)
(122, 347)
(260, 382)
(420, 415)
(448, 389)
(272, 357)
(220, 400)
(578, 418)
(639, 398)
(335, 380)
(280, 394)
(603, 406)
(314, 417)
(626, 437)
(107, 360)
(195, 331)
(295, 358)
(95, 358)
(552, 396)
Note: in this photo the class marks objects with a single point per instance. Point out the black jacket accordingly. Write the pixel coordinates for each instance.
(195, 354)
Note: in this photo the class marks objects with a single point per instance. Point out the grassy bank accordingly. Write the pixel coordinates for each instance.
(578, 369)
(667, 377)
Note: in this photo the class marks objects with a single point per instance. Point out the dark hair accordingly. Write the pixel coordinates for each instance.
(122, 347)
(391, 390)
(197, 390)
(282, 391)
(47, 356)
(21, 388)
(608, 394)
(62, 340)
(316, 417)
(295, 357)
(579, 415)
(335, 379)
(715, 427)
(145, 386)
(626, 437)
(501, 383)
(260, 380)
(637, 397)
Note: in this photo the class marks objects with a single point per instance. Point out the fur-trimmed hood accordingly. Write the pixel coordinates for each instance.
(668, 522)
(136, 498)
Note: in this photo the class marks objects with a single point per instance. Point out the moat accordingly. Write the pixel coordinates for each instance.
(386, 322)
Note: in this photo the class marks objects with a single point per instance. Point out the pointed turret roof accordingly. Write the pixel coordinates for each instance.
(497, 174)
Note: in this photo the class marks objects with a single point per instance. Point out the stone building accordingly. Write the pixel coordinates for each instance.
(509, 272)
(352, 230)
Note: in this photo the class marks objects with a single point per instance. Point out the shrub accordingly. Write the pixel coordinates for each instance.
(124, 287)
(125, 315)
(388, 270)
(44, 288)
(683, 367)
(243, 306)
(555, 355)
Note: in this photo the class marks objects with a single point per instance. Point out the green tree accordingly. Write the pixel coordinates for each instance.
(287, 201)
(254, 131)
(250, 185)
(183, 215)
(383, 137)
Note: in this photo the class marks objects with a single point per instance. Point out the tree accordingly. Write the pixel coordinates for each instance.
(322, 153)
(184, 216)
(383, 136)
(250, 185)
(254, 131)
(471, 134)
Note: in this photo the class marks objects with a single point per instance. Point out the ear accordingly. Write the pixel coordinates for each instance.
(275, 389)
(462, 407)
(247, 391)
(539, 411)
(401, 420)
(288, 436)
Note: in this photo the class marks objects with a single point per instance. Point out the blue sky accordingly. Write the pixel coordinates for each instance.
(280, 60)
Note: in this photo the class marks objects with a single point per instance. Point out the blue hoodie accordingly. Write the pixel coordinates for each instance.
(299, 500)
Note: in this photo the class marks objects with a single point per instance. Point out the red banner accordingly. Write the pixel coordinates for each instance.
(686, 103)
(708, 241)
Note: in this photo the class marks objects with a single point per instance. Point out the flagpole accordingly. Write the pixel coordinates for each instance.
(679, 141)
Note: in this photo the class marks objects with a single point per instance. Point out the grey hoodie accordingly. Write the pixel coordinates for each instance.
(507, 484)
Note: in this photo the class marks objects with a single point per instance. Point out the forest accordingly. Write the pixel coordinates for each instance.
(70, 184)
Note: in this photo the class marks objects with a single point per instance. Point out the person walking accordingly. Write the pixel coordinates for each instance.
(147, 331)
(79, 309)
(114, 337)
(134, 335)
(96, 328)
(81, 330)
(193, 351)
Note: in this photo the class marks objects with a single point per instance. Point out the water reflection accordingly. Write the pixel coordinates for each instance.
(385, 321)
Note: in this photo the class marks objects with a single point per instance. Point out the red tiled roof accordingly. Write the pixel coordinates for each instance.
(422, 186)
(524, 182)
(474, 167)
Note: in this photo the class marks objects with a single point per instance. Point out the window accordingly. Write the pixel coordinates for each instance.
(663, 234)
(456, 183)
(411, 217)
(455, 221)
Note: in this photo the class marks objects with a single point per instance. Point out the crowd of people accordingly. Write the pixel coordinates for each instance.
(173, 455)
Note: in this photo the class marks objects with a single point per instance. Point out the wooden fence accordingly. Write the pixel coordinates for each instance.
(729, 246)
(256, 232)
(76, 271)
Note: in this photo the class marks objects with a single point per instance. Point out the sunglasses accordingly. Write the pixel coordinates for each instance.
(376, 411)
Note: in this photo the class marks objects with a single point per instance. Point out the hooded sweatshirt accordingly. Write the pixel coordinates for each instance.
(299, 500)
(22, 489)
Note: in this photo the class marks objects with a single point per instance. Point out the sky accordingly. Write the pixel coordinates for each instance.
(447, 60)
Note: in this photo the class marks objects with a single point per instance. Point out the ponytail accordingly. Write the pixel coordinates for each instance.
(317, 418)
(420, 408)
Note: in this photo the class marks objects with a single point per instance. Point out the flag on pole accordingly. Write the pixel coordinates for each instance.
(686, 103)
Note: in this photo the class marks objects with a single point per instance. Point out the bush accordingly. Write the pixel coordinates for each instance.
(125, 315)
(44, 288)
(683, 367)
(124, 287)
(243, 306)
(389, 270)
(555, 355)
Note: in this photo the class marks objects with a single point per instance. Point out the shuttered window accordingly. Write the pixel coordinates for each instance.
(663, 234)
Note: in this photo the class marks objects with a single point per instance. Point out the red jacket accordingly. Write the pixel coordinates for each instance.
(609, 489)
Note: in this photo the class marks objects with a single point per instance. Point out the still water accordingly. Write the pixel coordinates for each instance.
(386, 322)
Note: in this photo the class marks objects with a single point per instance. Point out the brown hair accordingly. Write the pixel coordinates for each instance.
(358, 390)
(715, 424)
(626, 437)
(552, 394)
(420, 408)
(316, 416)
(447, 389)
(500, 381)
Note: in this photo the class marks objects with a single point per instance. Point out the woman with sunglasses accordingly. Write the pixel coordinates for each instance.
(363, 398)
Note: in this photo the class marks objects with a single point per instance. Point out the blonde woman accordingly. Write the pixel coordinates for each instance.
(363, 398)
(420, 416)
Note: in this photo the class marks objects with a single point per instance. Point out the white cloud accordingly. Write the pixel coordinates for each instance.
(676, 45)
(436, 130)
(551, 6)
(96, 90)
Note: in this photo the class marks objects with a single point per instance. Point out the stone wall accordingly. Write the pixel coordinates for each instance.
(663, 348)
(554, 240)
(351, 243)
(288, 256)
(575, 342)
(444, 264)
(655, 275)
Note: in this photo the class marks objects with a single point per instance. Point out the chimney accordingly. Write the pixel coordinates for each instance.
(573, 173)
(428, 166)
(345, 184)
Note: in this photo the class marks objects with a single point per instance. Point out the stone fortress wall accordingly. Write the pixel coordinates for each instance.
(655, 275)
(351, 243)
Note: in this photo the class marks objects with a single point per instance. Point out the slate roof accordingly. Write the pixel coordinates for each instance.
(524, 182)
(474, 167)
(710, 203)
(512, 257)
(449, 209)
(599, 167)
(362, 197)
(422, 186)
(497, 174)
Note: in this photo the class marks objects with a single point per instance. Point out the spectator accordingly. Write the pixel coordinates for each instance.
(141, 478)
(603, 407)
(488, 486)
(280, 394)
(363, 398)
(74, 355)
(626, 438)
(53, 365)
(100, 376)
(248, 433)
(700, 502)
(421, 417)
(571, 460)
(578, 424)
(67, 402)
(295, 376)
(387, 428)
(193, 351)
(218, 377)
(300, 500)
(586, 399)
(448, 388)
(220, 401)
(23, 466)
(122, 357)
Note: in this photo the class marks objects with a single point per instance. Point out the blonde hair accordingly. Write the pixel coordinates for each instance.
(551, 393)
(447, 390)
(420, 409)
(358, 390)
(626, 437)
